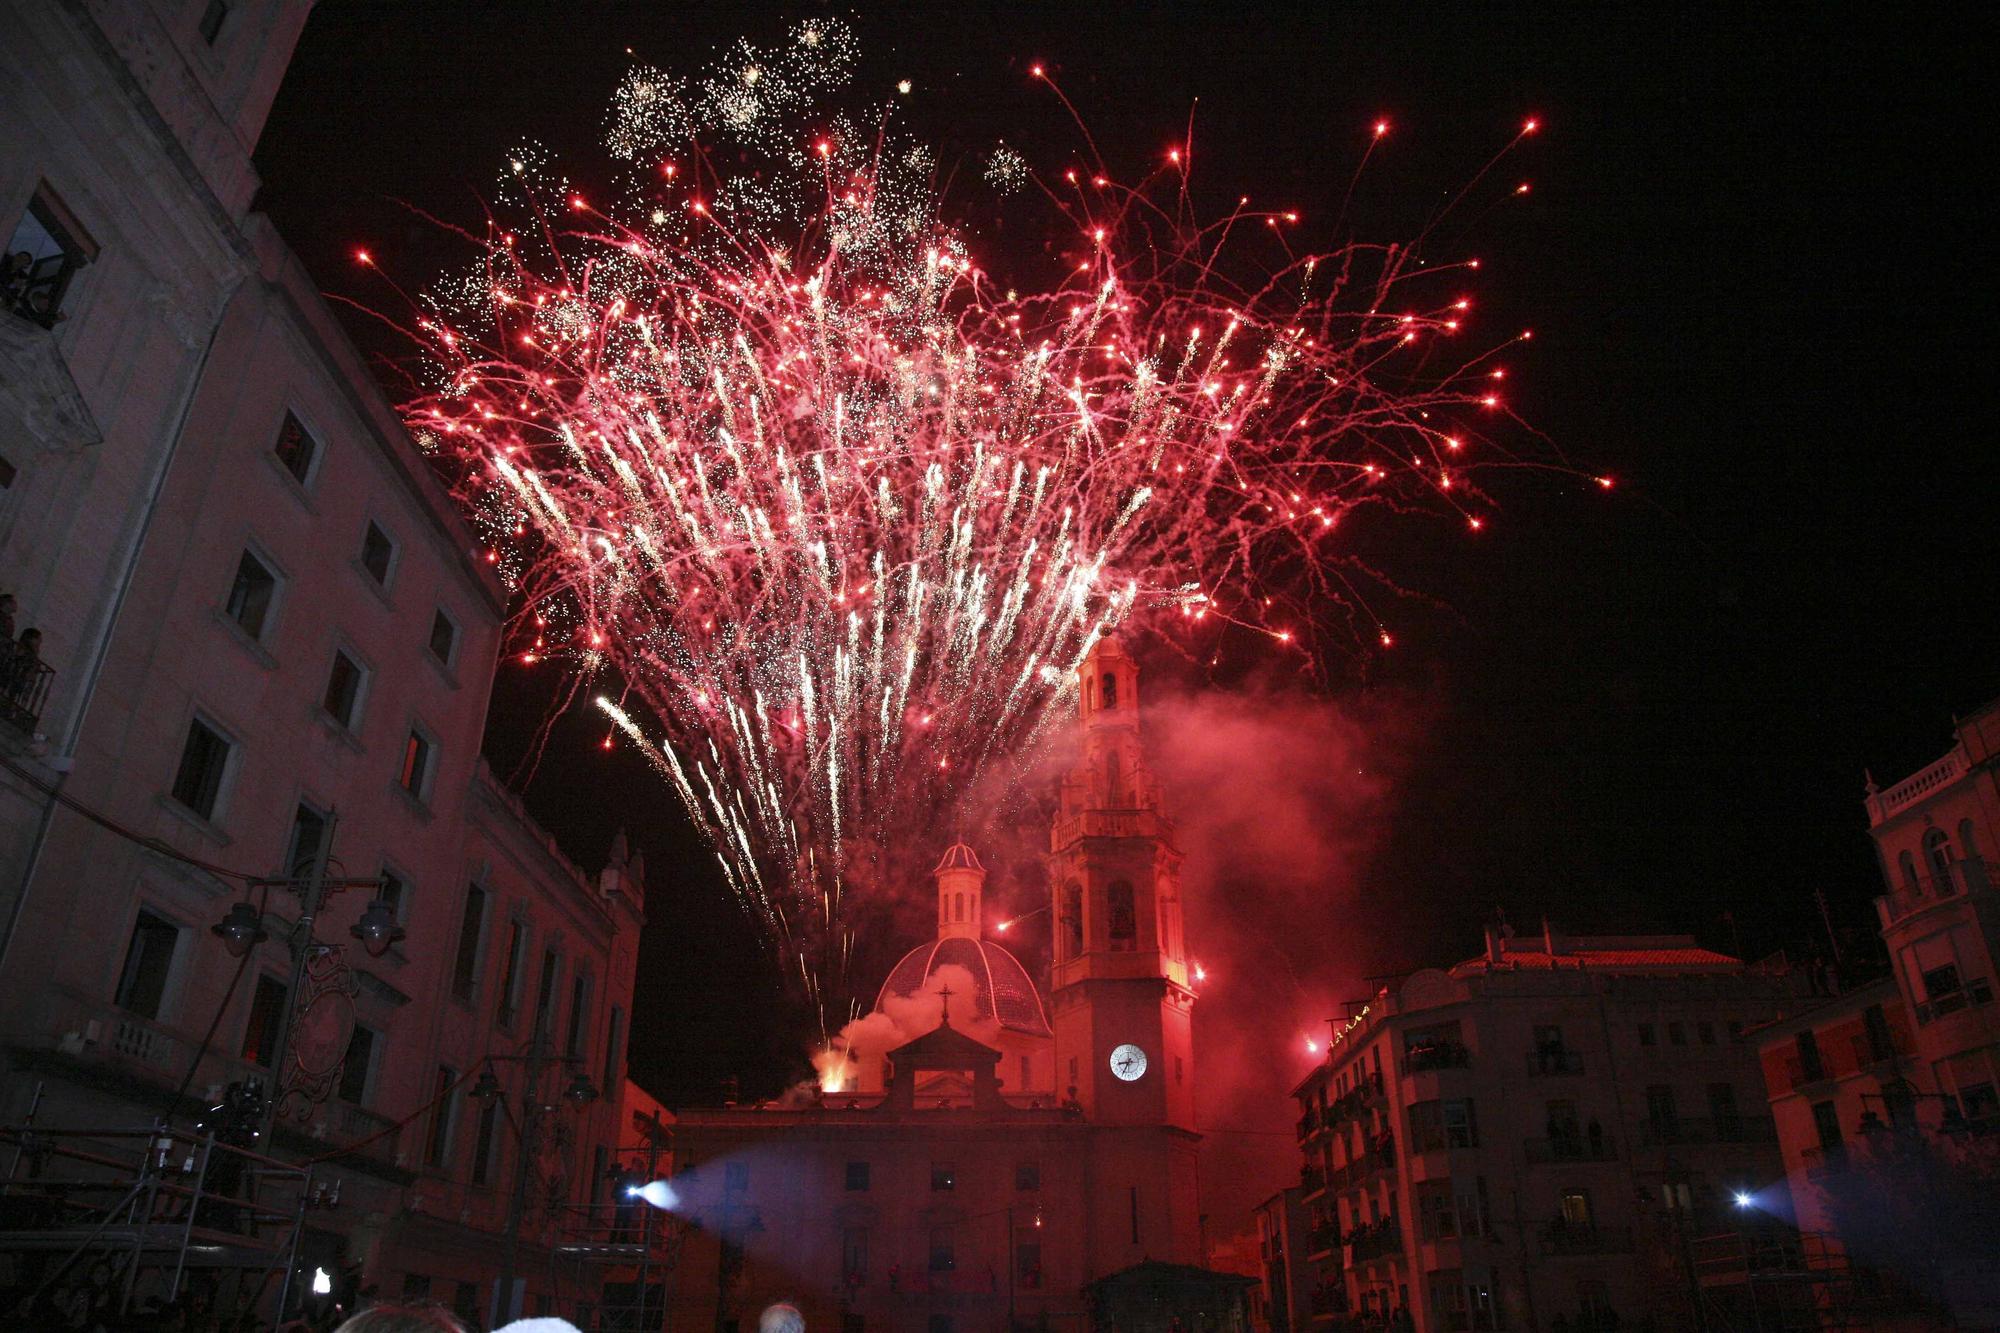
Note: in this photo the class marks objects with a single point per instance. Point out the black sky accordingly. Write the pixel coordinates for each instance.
(1756, 257)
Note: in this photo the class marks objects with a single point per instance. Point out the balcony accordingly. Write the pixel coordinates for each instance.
(1571, 1238)
(24, 688)
(1824, 1161)
(1799, 1073)
(1973, 994)
(1329, 1300)
(1428, 1056)
(1964, 878)
(1570, 1148)
(1373, 1240)
(1311, 1179)
(1700, 1130)
(1916, 787)
(1354, 1101)
(1554, 1062)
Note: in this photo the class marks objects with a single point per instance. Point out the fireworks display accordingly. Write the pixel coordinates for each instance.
(832, 513)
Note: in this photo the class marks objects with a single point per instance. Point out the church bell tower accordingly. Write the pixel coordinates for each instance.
(1119, 999)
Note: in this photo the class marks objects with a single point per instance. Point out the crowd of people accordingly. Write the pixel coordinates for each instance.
(781, 1318)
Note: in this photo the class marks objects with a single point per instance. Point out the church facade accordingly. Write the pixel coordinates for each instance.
(1012, 1147)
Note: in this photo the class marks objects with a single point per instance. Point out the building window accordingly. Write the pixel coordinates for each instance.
(1705, 1033)
(1677, 1034)
(1941, 985)
(46, 252)
(308, 835)
(444, 638)
(944, 1257)
(579, 1014)
(942, 1176)
(1937, 854)
(1647, 1036)
(514, 969)
(378, 554)
(614, 1051)
(1028, 1264)
(251, 596)
(1027, 1175)
(296, 450)
(204, 760)
(1722, 1110)
(854, 1256)
(545, 993)
(419, 757)
(1810, 1065)
(1881, 1046)
(1826, 1122)
(472, 922)
(1110, 690)
(1122, 916)
(444, 1093)
(482, 1147)
(267, 1011)
(857, 1176)
(1661, 1116)
(358, 1066)
(1736, 1029)
(1461, 1127)
(149, 959)
(343, 690)
(212, 19)
(1576, 1209)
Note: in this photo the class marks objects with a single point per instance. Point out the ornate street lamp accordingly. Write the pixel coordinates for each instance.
(241, 930)
(377, 928)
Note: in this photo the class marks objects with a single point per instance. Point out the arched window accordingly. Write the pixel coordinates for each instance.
(1937, 853)
(1072, 920)
(1110, 690)
(1115, 779)
(1122, 916)
(1089, 695)
(1908, 865)
(1968, 848)
(958, 907)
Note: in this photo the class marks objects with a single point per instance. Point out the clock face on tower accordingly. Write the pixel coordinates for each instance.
(1128, 1062)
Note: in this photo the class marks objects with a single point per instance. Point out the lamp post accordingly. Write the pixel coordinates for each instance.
(579, 1093)
(242, 929)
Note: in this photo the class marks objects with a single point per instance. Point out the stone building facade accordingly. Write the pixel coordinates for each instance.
(267, 645)
(1534, 1133)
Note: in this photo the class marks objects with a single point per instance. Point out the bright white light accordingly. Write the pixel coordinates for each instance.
(322, 1284)
(1744, 1200)
(658, 1193)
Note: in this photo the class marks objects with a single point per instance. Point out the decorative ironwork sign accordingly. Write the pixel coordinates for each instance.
(321, 1032)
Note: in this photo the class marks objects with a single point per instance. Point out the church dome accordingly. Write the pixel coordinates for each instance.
(958, 856)
(1002, 988)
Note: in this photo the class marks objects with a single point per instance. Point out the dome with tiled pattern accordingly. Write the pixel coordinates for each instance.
(1002, 988)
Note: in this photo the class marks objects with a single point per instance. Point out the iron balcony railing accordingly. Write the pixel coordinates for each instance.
(1428, 1056)
(1554, 1061)
(1962, 878)
(1562, 1237)
(24, 688)
(1707, 1129)
(1570, 1148)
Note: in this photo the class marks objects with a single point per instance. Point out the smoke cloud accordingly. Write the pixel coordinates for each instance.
(1281, 800)
(858, 1051)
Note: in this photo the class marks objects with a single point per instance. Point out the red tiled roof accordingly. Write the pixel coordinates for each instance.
(1603, 959)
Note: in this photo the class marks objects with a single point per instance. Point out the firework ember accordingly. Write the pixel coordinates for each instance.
(839, 512)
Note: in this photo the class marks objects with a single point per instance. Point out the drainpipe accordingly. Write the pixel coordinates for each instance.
(66, 751)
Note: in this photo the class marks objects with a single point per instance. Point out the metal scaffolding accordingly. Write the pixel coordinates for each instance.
(153, 1204)
(632, 1247)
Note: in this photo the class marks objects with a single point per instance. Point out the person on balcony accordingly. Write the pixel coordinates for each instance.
(24, 662)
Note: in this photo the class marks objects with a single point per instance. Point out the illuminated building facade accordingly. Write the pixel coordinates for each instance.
(1877, 1087)
(267, 636)
(1534, 1133)
(1007, 1160)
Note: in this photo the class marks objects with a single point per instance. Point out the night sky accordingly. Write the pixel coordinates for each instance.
(1755, 260)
